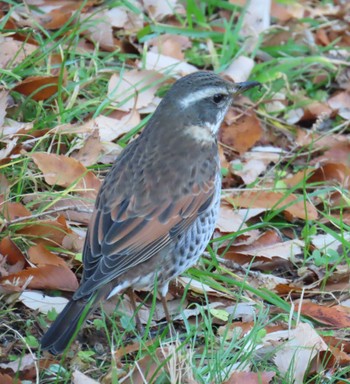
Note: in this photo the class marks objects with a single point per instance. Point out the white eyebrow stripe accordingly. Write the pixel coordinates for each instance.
(201, 94)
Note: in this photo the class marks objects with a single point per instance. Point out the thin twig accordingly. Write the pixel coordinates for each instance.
(40, 214)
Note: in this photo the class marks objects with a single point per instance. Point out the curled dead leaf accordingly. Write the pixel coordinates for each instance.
(293, 205)
(45, 277)
(40, 255)
(47, 232)
(65, 171)
(241, 133)
(38, 87)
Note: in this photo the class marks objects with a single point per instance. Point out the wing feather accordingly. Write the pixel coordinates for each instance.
(119, 239)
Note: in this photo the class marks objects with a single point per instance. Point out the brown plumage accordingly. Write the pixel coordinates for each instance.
(157, 207)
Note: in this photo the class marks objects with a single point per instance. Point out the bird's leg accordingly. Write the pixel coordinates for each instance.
(166, 310)
(169, 320)
(131, 294)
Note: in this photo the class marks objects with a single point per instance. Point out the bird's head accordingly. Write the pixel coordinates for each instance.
(198, 102)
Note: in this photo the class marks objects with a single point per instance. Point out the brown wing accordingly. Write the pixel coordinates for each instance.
(124, 234)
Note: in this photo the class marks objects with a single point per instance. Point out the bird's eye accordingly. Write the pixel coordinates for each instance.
(218, 98)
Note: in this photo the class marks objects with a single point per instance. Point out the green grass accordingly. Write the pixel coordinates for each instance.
(206, 349)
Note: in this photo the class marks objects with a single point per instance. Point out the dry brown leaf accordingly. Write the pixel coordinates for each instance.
(293, 205)
(56, 18)
(39, 255)
(341, 103)
(7, 379)
(10, 145)
(256, 20)
(91, 150)
(79, 378)
(14, 256)
(254, 163)
(170, 45)
(229, 220)
(13, 211)
(158, 9)
(64, 171)
(284, 12)
(295, 355)
(267, 245)
(337, 153)
(45, 277)
(335, 357)
(161, 63)
(133, 89)
(250, 378)
(146, 370)
(3, 107)
(116, 124)
(13, 52)
(38, 87)
(336, 316)
(240, 69)
(38, 301)
(242, 133)
(332, 173)
(47, 232)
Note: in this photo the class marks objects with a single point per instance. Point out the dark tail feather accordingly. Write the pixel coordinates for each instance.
(58, 336)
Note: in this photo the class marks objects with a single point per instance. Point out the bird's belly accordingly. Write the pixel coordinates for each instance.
(180, 255)
(192, 243)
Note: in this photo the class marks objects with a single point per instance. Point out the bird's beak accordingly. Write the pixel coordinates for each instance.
(238, 88)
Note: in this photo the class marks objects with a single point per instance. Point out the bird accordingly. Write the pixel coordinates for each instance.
(158, 204)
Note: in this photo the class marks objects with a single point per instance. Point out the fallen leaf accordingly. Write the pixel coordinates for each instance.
(242, 133)
(47, 232)
(336, 316)
(38, 87)
(256, 20)
(91, 150)
(133, 89)
(18, 365)
(293, 204)
(56, 18)
(39, 255)
(337, 153)
(341, 103)
(115, 125)
(38, 301)
(14, 52)
(100, 29)
(158, 9)
(10, 145)
(250, 378)
(14, 256)
(229, 220)
(7, 379)
(3, 107)
(201, 288)
(294, 355)
(267, 245)
(240, 69)
(64, 171)
(13, 211)
(79, 378)
(255, 162)
(170, 45)
(161, 63)
(45, 277)
(332, 173)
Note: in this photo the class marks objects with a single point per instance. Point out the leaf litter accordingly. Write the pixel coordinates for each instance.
(283, 224)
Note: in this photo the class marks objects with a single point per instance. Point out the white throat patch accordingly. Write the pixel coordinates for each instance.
(202, 134)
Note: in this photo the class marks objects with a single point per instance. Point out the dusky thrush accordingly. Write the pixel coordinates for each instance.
(157, 208)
